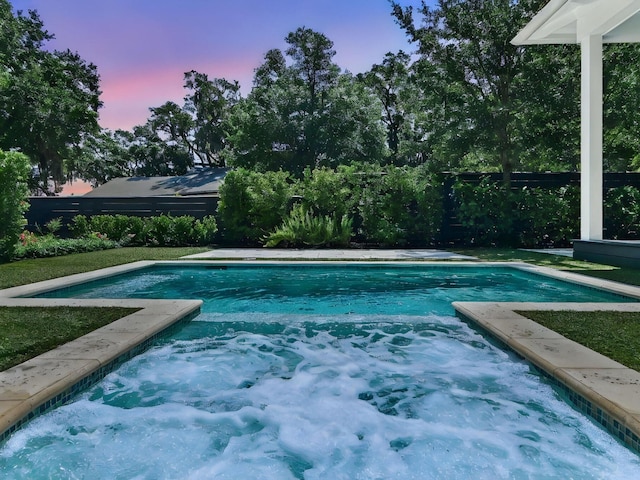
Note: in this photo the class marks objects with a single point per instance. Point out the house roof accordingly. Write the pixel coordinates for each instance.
(568, 21)
(199, 181)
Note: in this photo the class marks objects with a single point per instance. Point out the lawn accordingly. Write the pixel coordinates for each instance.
(26, 332)
(31, 331)
(604, 332)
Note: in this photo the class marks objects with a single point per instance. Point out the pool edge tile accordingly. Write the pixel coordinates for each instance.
(587, 378)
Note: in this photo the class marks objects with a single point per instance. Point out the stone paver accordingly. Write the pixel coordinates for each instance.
(327, 254)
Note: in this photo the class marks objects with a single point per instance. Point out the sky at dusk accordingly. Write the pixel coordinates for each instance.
(143, 47)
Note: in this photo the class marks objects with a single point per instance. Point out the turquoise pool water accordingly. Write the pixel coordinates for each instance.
(327, 372)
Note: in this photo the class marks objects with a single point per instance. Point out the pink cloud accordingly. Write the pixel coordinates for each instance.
(127, 97)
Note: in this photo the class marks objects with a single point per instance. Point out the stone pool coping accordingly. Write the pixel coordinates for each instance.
(601, 388)
(596, 385)
(53, 378)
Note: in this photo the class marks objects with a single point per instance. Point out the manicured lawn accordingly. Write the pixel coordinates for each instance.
(630, 276)
(36, 270)
(613, 334)
(26, 332)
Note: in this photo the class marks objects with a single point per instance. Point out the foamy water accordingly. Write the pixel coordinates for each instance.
(317, 397)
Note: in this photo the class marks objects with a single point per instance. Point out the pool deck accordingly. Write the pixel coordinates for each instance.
(596, 385)
(327, 254)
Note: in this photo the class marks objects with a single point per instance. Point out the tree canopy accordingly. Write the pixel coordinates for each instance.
(466, 99)
(49, 100)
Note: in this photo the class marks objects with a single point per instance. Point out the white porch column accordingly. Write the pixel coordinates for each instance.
(591, 200)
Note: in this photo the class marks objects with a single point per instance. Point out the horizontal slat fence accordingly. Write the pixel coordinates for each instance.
(452, 231)
(44, 209)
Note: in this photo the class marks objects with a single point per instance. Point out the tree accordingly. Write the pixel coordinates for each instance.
(49, 101)
(151, 155)
(469, 44)
(621, 142)
(104, 156)
(199, 126)
(390, 80)
(210, 102)
(305, 114)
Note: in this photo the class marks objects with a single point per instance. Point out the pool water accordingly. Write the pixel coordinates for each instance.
(322, 373)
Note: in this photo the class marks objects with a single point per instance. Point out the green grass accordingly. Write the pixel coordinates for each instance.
(629, 276)
(26, 332)
(613, 334)
(24, 272)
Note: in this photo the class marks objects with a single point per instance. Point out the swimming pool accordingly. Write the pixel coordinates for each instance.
(322, 372)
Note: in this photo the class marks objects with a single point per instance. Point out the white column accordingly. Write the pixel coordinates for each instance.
(591, 200)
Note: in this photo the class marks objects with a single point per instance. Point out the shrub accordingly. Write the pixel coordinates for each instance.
(548, 217)
(14, 172)
(120, 228)
(486, 211)
(495, 215)
(163, 230)
(79, 226)
(399, 207)
(252, 204)
(54, 225)
(330, 192)
(49, 246)
(622, 213)
(205, 230)
(303, 229)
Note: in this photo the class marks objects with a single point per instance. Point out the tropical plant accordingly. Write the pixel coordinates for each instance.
(302, 228)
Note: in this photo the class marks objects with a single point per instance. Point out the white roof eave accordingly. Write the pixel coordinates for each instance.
(568, 21)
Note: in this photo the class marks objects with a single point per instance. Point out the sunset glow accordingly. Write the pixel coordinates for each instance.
(143, 48)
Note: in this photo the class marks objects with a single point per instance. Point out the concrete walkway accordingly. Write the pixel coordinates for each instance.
(327, 254)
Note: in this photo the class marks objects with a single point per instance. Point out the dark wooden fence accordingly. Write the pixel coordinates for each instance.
(451, 231)
(44, 209)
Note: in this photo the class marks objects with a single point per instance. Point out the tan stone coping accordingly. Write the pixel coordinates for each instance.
(600, 387)
(52, 378)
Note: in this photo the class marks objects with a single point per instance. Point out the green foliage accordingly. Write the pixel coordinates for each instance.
(385, 205)
(119, 228)
(163, 230)
(79, 226)
(252, 204)
(400, 207)
(302, 228)
(49, 99)
(205, 230)
(305, 114)
(622, 213)
(495, 215)
(330, 192)
(548, 217)
(50, 246)
(14, 172)
(54, 225)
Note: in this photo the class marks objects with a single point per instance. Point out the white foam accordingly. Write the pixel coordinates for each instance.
(334, 400)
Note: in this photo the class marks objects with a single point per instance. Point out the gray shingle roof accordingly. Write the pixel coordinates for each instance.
(199, 181)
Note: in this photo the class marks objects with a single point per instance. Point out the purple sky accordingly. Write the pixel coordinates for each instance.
(143, 47)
